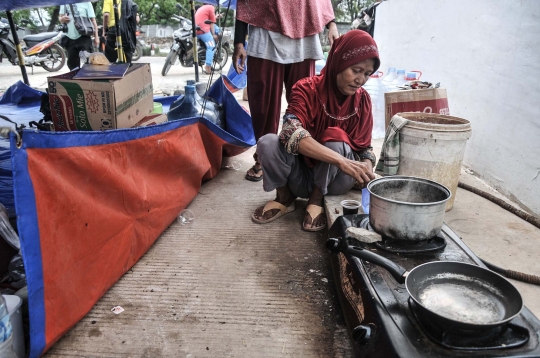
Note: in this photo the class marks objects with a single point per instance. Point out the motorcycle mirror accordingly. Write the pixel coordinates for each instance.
(179, 7)
(208, 22)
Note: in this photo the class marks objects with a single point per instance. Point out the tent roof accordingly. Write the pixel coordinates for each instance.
(29, 4)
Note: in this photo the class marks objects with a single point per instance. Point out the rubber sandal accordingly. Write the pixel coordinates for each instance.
(314, 211)
(272, 204)
(254, 178)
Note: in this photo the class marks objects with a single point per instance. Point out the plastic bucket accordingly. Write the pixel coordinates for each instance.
(432, 147)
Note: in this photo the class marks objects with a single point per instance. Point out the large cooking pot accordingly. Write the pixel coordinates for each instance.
(407, 208)
(454, 295)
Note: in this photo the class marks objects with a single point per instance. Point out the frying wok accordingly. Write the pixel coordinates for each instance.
(454, 295)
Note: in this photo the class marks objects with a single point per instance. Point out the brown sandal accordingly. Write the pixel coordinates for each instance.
(272, 204)
(314, 211)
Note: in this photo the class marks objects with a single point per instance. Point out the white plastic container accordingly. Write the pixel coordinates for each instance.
(376, 90)
(13, 304)
(432, 147)
(390, 76)
(399, 80)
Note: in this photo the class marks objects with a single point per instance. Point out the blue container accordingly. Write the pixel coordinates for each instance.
(365, 200)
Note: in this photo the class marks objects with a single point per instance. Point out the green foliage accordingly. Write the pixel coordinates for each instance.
(160, 11)
(348, 10)
(19, 15)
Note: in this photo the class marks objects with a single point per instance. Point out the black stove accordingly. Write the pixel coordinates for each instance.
(382, 318)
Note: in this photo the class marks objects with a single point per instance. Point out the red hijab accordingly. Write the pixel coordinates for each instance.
(293, 18)
(318, 103)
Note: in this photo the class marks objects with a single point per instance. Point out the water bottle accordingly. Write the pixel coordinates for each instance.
(399, 80)
(6, 332)
(390, 76)
(376, 90)
(413, 75)
(189, 107)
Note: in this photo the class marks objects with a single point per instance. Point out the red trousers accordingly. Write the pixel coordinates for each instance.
(265, 81)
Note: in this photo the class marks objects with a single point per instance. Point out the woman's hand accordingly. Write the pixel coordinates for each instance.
(332, 32)
(361, 171)
(239, 54)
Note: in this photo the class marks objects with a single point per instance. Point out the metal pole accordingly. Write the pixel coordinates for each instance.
(20, 54)
(119, 48)
(195, 53)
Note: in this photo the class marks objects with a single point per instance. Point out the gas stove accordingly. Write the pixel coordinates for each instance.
(382, 318)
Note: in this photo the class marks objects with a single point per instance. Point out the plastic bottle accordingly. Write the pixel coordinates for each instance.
(6, 332)
(376, 90)
(410, 76)
(390, 76)
(399, 80)
(189, 107)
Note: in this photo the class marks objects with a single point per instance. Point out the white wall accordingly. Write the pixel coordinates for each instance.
(486, 53)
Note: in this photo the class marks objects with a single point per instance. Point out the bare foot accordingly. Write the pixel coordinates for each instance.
(283, 196)
(315, 198)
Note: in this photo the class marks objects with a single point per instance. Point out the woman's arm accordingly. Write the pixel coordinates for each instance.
(297, 140)
(361, 171)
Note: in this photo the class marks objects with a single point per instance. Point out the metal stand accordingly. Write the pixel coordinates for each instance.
(20, 54)
(195, 53)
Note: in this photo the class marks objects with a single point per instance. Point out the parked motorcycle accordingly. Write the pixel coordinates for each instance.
(182, 48)
(139, 48)
(39, 50)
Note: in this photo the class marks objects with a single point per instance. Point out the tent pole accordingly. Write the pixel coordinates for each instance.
(195, 53)
(18, 47)
(119, 48)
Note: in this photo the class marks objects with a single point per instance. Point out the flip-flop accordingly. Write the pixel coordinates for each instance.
(270, 206)
(314, 211)
(254, 178)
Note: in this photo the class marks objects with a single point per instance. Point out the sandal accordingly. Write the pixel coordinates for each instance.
(253, 177)
(314, 211)
(272, 204)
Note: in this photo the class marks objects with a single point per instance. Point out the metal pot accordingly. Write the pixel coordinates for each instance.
(407, 208)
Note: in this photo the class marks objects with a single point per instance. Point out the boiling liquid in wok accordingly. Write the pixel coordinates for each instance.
(453, 297)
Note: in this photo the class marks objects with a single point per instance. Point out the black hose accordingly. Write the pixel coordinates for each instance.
(534, 220)
(515, 275)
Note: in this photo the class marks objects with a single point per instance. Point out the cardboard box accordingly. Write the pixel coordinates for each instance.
(151, 120)
(432, 100)
(101, 104)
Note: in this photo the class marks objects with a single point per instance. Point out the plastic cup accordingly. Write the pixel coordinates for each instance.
(350, 207)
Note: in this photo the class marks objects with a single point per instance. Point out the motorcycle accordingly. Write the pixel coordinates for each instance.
(137, 53)
(182, 48)
(38, 50)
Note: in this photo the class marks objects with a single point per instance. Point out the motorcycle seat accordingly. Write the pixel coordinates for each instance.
(40, 37)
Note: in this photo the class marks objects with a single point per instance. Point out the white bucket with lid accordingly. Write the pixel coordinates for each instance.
(432, 146)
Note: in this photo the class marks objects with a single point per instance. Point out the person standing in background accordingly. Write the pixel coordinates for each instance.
(127, 17)
(207, 33)
(76, 42)
(283, 47)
